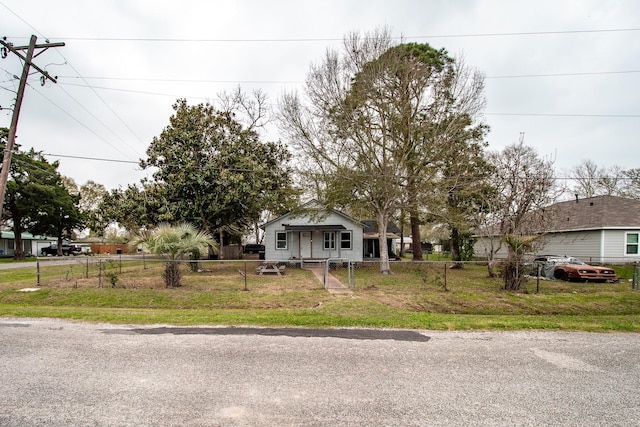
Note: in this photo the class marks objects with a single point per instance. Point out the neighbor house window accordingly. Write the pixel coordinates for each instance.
(632, 244)
(281, 240)
(345, 240)
(329, 240)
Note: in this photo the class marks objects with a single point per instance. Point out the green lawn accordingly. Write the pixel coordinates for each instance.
(417, 296)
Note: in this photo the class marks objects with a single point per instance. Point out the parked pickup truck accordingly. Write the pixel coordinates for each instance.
(66, 250)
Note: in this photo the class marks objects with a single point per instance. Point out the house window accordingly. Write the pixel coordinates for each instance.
(329, 240)
(345, 240)
(632, 244)
(281, 240)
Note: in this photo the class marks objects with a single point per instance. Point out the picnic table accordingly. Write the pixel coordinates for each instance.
(270, 267)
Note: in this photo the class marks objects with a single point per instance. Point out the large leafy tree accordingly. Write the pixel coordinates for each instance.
(376, 120)
(135, 208)
(214, 172)
(32, 183)
(58, 214)
(460, 192)
(38, 199)
(91, 196)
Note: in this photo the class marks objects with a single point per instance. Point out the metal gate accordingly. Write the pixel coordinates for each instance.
(338, 263)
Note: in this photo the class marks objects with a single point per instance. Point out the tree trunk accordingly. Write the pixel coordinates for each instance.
(220, 254)
(490, 268)
(415, 237)
(18, 253)
(383, 219)
(172, 274)
(455, 248)
(513, 272)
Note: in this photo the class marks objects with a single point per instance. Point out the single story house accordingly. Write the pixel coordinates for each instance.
(600, 229)
(313, 233)
(31, 245)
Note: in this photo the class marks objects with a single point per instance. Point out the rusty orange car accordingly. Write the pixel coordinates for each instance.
(572, 269)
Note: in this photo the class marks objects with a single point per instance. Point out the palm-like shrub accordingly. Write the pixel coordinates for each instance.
(176, 244)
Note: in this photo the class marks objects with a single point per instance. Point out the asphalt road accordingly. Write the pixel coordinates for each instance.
(60, 373)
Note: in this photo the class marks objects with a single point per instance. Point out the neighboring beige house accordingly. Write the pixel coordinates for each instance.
(601, 229)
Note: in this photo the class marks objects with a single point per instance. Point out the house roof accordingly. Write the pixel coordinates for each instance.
(313, 227)
(312, 208)
(598, 212)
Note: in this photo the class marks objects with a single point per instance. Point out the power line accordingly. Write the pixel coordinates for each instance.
(163, 80)
(77, 121)
(486, 113)
(65, 156)
(87, 83)
(625, 116)
(589, 73)
(462, 180)
(108, 128)
(331, 39)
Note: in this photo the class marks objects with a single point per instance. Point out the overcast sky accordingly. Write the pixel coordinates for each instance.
(566, 73)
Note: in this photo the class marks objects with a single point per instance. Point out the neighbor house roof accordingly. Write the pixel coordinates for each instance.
(371, 230)
(591, 213)
(25, 236)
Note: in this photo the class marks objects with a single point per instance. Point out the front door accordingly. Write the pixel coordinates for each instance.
(305, 244)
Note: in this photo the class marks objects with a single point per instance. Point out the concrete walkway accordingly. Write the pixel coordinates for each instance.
(334, 285)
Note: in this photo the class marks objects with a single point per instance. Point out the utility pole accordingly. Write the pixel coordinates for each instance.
(17, 50)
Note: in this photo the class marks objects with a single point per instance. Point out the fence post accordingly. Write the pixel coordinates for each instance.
(445, 275)
(539, 267)
(86, 271)
(245, 276)
(38, 271)
(352, 274)
(634, 283)
(100, 273)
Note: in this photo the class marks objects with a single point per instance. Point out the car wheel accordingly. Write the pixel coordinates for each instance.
(561, 275)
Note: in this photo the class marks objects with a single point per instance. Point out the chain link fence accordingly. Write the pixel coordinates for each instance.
(144, 271)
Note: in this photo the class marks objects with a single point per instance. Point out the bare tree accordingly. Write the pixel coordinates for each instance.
(525, 185)
(253, 110)
(632, 183)
(347, 159)
(585, 176)
(377, 121)
(592, 180)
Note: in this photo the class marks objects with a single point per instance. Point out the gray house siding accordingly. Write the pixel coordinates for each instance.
(598, 246)
(585, 245)
(304, 238)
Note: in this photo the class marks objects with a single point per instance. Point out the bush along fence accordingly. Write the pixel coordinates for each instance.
(124, 271)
